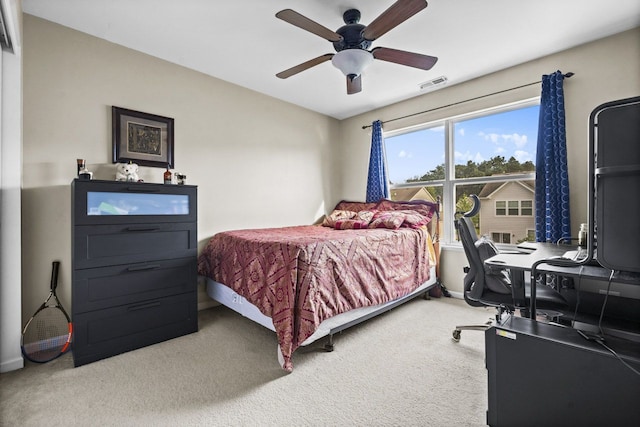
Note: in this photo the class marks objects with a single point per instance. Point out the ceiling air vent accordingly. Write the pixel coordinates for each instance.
(438, 81)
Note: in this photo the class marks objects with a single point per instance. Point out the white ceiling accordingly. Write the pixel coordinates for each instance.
(242, 42)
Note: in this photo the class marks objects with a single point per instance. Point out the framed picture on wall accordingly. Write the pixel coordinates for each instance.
(142, 138)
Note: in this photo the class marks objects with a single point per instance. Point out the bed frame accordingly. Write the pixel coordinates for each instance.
(229, 298)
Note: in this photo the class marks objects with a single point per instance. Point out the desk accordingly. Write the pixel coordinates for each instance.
(534, 254)
(522, 261)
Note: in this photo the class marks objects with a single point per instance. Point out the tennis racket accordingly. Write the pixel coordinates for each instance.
(47, 334)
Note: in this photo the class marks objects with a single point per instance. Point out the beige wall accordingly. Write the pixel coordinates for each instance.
(256, 161)
(605, 70)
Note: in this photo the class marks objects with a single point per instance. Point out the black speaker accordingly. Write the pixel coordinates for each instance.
(614, 146)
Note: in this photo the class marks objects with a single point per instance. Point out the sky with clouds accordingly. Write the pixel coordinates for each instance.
(512, 133)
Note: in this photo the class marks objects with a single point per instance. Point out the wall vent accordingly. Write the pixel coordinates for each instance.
(438, 81)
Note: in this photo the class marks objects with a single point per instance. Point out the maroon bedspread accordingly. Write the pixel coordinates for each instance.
(300, 276)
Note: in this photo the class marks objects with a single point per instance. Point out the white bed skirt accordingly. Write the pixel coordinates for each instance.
(229, 298)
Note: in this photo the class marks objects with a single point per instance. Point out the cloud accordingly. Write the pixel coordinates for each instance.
(403, 154)
(461, 131)
(518, 140)
(522, 156)
(493, 137)
(463, 158)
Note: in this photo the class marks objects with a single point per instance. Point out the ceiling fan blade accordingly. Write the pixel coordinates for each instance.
(354, 85)
(397, 13)
(416, 60)
(304, 66)
(300, 21)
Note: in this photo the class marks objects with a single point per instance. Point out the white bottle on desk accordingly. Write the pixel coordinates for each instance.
(582, 236)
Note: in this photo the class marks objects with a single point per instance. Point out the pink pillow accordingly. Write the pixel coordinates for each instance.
(344, 220)
(423, 207)
(359, 221)
(387, 219)
(413, 219)
(337, 215)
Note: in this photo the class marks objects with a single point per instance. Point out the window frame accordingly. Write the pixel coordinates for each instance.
(508, 207)
(502, 235)
(447, 236)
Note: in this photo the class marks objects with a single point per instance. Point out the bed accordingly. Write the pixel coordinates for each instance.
(306, 282)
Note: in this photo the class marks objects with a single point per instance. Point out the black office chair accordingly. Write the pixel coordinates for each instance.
(489, 287)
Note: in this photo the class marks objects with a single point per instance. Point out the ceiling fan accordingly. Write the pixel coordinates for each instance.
(352, 40)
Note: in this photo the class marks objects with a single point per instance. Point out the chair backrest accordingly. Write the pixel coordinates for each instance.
(474, 279)
(482, 286)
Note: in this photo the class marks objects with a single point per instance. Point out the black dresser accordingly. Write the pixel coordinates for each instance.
(134, 278)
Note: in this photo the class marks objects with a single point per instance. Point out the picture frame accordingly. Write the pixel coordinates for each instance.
(142, 138)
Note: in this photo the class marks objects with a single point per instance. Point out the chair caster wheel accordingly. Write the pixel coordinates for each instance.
(456, 335)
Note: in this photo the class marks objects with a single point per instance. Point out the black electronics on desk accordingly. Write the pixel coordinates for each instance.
(614, 214)
(614, 180)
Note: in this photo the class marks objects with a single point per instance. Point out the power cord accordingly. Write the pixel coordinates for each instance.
(635, 371)
(600, 338)
(589, 337)
(604, 303)
(575, 312)
(565, 239)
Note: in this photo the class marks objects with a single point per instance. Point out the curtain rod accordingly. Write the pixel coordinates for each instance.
(567, 75)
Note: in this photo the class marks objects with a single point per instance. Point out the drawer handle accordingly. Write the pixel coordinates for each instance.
(144, 306)
(143, 228)
(142, 189)
(143, 267)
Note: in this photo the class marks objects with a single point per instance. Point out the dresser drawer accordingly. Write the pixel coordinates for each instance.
(104, 287)
(102, 245)
(111, 202)
(104, 333)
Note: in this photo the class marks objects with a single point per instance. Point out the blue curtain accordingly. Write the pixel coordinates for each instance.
(553, 221)
(377, 184)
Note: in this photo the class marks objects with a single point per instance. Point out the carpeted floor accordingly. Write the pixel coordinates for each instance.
(399, 369)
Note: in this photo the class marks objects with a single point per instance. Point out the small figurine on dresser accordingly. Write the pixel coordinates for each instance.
(83, 172)
(127, 172)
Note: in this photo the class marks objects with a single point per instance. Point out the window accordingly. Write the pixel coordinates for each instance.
(489, 153)
(531, 235)
(514, 207)
(501, 237)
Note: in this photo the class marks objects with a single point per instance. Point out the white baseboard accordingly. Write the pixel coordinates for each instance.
(12, 365)
(458, 295)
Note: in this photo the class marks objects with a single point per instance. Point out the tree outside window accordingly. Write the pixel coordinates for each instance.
(489, 153)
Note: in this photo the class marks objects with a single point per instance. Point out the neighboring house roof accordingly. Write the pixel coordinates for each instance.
(490, 189)
(412, 193)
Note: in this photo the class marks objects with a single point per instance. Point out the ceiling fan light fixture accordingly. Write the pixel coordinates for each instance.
(352, 61)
